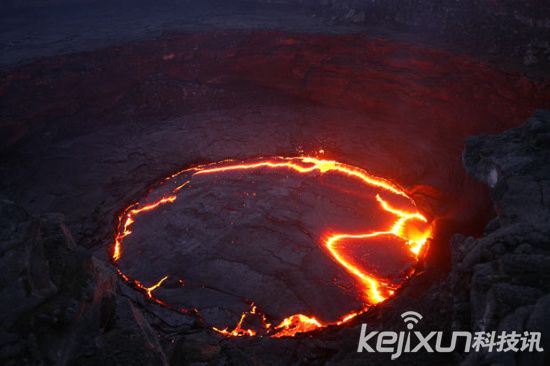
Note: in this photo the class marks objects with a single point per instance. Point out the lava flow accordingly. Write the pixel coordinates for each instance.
(409, 227)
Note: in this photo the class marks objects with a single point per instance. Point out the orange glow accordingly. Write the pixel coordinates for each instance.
(239, 331)
(411, 227)
(149, 290)
(297, 323)
(129, 220)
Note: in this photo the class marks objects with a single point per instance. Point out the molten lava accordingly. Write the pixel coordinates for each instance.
(409, 226)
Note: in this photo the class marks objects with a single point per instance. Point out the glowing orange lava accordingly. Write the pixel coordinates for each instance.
(410, 226)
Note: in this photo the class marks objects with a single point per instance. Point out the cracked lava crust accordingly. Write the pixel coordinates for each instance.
(271, 246)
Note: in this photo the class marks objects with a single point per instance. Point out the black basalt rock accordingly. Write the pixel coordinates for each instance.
(502, 280)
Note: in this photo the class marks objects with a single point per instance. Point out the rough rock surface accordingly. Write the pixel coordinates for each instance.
(509, 33)
(60, 305)
(504, 31)
(502, 280)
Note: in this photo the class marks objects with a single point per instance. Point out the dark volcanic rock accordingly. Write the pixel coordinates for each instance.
(59, 304)
(502, 280)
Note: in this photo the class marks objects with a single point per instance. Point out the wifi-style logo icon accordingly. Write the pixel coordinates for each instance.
(411, 318)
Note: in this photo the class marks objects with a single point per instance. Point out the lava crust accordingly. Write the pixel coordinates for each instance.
(289, 244)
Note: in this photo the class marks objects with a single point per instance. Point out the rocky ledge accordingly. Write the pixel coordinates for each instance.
(501, 281)
(60, 305)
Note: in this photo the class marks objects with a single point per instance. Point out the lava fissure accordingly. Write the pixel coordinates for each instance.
(409, 226)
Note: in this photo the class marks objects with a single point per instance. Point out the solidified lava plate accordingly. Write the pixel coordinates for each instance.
(277, 246)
